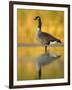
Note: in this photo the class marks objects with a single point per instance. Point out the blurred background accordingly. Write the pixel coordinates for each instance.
(52, 23)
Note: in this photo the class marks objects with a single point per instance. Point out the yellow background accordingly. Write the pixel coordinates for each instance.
(52, 22)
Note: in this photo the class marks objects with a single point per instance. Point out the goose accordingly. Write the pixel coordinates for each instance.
(43, 37)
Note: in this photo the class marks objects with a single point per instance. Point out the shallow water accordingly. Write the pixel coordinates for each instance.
(30, 59)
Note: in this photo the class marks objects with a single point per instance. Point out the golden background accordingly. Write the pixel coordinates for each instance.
(53, 23)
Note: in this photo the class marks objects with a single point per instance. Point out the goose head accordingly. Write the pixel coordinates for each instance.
(37, 18)
(39, 21)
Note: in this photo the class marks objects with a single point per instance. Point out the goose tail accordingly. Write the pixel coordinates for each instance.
(59, 41)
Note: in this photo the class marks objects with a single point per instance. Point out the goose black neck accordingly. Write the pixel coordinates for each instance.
(39, 24)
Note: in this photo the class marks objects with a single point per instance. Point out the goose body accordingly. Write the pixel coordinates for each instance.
(43, 37)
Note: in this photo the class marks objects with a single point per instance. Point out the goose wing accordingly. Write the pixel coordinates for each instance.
(47, 37)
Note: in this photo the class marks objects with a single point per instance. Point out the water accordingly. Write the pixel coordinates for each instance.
(33, 63)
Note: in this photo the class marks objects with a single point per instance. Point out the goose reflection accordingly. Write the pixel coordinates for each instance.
(45, 59)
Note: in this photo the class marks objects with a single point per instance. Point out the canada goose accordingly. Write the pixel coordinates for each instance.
(43, 37)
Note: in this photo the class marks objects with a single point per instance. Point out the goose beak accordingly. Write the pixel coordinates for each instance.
(34, 19)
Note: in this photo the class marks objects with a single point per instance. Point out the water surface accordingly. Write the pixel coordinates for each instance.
(28, 59)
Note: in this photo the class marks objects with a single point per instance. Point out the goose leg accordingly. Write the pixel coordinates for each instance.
(45, 49)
